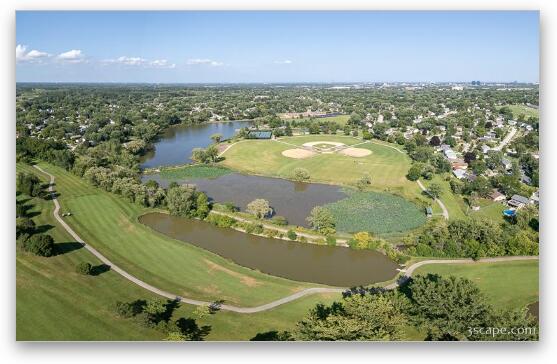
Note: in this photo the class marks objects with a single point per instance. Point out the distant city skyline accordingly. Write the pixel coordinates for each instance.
(277, 47)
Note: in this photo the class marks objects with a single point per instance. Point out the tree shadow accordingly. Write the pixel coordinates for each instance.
(42, 228)
(64, 248)
(191, 329)
(100, 269)
(49, 196)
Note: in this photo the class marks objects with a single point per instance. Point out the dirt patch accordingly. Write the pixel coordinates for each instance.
(356, 152)
(298, 153)
(248, 281)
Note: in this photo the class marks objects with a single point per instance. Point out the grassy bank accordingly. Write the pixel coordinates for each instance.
(506, 284)
(193, 171)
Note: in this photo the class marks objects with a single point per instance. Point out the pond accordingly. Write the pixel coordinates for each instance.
(177, 142)
(293, 200)
(335, 266)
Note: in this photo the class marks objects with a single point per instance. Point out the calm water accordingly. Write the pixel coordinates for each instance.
(293, 200)
(336, 266)
(177, 142)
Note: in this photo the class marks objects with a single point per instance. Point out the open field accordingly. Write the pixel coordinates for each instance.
(506, 284)
(55, 303)
(376, 212)
(523, 109)
(454, 204)
(386, 166)
(340, 119)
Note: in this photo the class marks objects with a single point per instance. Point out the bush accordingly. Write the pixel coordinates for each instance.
(291, 234)
(84, 268)
(301, 174)
(331, 240)
(279, 220)
(221, 220)
(40, 244)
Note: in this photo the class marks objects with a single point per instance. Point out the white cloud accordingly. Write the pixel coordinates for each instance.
(284, 61)
(203, 61)
(73, 56)
(161, 63)
(130, 61)
(22, 55)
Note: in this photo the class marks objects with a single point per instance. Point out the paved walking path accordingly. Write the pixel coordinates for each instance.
(265, 307)
(439, 202)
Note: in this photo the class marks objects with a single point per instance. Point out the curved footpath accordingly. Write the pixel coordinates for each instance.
(439, 202)
(265, 307)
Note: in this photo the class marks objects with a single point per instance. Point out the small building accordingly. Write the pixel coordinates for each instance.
(450, 154)
(259, 134)
(459, 164)
(485, 149)
(459, 173)
(428, 211)
(496, 196)
(506, 164)
(518, 201)
(535, 197)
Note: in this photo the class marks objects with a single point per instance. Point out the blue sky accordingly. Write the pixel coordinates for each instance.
(183, 47)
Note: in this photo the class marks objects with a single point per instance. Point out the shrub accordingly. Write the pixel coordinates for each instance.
(221, 220)
(84, 268)
(279, 220)
(331, 240)
(301, 174)
(40, 244)
(291, 234)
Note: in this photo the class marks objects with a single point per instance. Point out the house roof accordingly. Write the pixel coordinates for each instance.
(520, 199)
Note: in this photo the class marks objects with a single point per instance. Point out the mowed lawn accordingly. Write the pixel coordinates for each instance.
(56, 303)
(523, 109)
(386, 166)
(340, 119)
(109, 223)
(512, 284)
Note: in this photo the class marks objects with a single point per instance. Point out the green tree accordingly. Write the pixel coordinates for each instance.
(448, 306)
(202, 203)
(434, 190)
(216, 138)
(322, 220)
(260, 208)
(357, 317)
(182, 200)
(301, 174)
(40, 244)
(84, 268)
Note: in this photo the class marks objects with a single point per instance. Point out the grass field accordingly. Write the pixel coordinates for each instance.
(55, 303)
(506, 284)
(193, 171)
(386, 166)
(378, 213)
(340, 119)
(454, 204)
(523, 109)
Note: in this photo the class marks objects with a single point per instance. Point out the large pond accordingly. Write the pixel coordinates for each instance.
(335, 266)
(293, 200)
(177, 142)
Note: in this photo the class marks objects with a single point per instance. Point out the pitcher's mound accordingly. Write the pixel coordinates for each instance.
(298, 153)
(356, 152)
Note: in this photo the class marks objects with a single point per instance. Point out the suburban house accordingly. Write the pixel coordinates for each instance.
(497, 196)
(535, 198)
(450, 154)
(485, 149)
(459, 173)
(507, 164)
(518, 201)
(459, 164)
